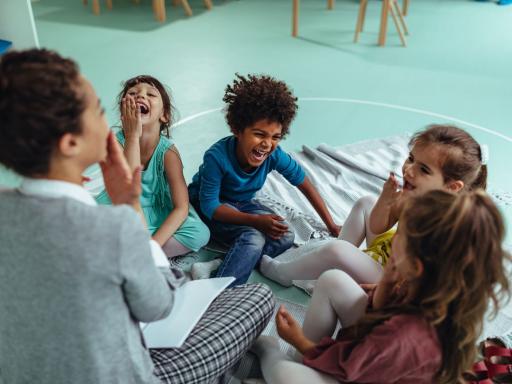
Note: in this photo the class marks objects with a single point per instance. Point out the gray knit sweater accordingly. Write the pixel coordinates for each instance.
(74, 281)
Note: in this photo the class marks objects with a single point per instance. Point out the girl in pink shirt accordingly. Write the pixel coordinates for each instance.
(421, 322)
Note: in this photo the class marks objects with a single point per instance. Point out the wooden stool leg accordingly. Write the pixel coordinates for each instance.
(405, 7)
(84, 2)
(364, 14)
(360, 19)
(295, 18)
(186, 7)
(208, 4)
(96, 7)
(109, 4)
(175, 2)
(398, 28)
(400, 16)
(383, 22)
(330, 4)
(137, 2)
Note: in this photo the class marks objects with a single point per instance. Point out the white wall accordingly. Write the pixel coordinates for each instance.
(17, 24)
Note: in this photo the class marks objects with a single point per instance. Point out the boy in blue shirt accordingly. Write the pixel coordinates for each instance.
(259, 112)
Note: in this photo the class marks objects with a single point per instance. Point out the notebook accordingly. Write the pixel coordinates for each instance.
(191, 301)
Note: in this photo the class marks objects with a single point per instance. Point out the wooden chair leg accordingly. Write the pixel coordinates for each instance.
(84, 2)
(295, 18)
(405, 7)
(96, 7)
(159, 9)
(208, 4)
(175, 3)
(186, 7)
(109, 4)
(360, 19)
(397, 24)
(330, 4)
(383, 22)
(163, 15)
(400, 16)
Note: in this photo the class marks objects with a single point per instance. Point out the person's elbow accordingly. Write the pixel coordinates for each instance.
(157, 310)
(209, 208)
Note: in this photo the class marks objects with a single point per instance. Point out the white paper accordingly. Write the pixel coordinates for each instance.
(191, 301)
(158, 254)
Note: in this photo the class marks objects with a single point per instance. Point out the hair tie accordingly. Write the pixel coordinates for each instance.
(484, 153)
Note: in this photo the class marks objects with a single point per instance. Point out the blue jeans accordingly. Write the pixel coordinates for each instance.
(247, 244)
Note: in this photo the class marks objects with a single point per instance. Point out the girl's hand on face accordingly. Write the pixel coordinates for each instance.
(122, 185)
(288, 328)
(130, 117)
(391, 191)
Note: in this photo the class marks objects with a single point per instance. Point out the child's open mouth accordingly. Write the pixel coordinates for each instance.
(408, 186)
(144, 110)
(258, 154)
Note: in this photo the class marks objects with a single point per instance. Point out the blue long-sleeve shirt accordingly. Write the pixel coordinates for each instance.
(220, 178)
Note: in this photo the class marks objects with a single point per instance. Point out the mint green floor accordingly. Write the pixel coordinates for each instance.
(458, 64)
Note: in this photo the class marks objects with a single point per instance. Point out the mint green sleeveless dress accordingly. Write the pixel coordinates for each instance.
(156, 200)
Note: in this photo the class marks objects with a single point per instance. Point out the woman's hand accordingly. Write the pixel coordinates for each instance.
(130, 118)
(121, 184)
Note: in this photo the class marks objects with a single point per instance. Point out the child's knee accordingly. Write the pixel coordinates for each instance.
(252, 238)
(331, 278)
(365, 203)
(266, 301)
(333, 252)
(287, 239)
(202, 235)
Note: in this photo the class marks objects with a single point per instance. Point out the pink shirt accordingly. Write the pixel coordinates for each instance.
(404, 349)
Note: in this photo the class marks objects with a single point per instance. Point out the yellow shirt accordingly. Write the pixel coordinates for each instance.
(380, 248)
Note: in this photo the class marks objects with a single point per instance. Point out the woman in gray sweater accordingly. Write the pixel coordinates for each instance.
(76, 278)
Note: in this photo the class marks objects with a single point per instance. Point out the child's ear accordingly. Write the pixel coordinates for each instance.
(418, 268)
(164, 118)
(455, 186)
(68, 145)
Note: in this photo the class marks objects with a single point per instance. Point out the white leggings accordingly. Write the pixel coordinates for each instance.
(337, 297)
(312, 259)
(173, 248)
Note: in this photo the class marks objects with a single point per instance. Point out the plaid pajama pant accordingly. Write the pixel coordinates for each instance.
(220, 338)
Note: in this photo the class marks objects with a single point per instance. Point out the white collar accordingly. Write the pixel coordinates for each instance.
(55, 189)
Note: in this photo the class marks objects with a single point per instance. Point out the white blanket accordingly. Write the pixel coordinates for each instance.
(342, 175)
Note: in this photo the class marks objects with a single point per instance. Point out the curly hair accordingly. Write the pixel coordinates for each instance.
(39, 103)
(458, 238)
(254, 98)
(166, 99)
(461, 156)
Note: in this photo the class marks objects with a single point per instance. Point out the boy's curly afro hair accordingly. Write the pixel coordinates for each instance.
(254, 98)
